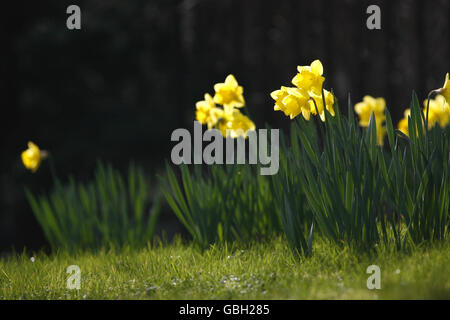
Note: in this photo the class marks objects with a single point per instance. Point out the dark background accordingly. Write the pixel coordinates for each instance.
(117, 88)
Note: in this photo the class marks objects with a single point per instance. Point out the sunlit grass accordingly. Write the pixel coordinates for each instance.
(253, 271)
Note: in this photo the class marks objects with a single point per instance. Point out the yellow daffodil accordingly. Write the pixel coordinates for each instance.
(207, 112)
(229, 94)
(310, 78)
(300, 99)
(445, 90)
(236, 123)
(364, 110)
(32, 157)
(329, 101)
(278, 96)
(439, 111)
(403, 123)
(292, 101)
(203, 107)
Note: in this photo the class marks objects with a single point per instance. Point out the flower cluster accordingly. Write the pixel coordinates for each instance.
(438, 109)
(364, 110)
(438, 113)
(306, 97)
(229, 119)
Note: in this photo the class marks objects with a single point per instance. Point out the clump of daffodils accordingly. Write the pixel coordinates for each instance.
(306, 97)
(364, 110)
(33, 156)
(438, 113)
(229, 119)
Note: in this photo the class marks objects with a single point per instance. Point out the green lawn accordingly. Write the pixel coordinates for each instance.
(258, 271)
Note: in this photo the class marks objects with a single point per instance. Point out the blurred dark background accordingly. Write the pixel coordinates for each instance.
(116, 89)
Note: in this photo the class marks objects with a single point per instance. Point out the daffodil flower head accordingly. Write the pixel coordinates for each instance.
(32, 157)
(278, 96)
(207, 112)
(203, 107)
(317, 100)
(292, 101)
(365, 108)
(229, 94)
(376, 106)
(439, 111)
(310, 77)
